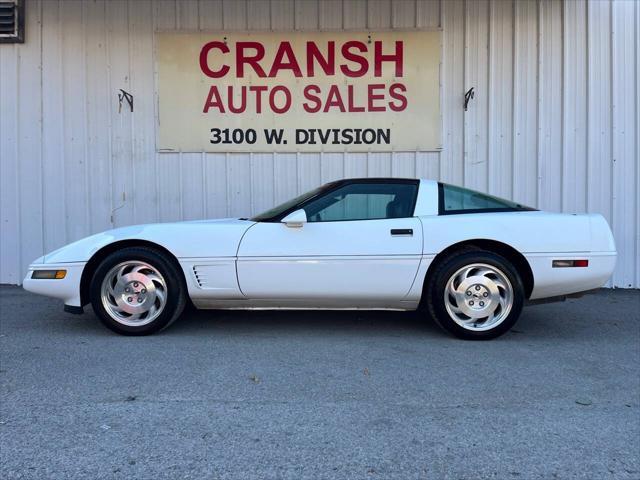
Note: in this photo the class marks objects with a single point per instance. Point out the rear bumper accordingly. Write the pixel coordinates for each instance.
(556, 282)
(66, 289)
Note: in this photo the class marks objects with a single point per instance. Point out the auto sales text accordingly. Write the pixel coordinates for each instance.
(350, 59)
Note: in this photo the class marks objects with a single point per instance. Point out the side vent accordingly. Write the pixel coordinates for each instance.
(199, 275)
(217, 275)
(11, 21)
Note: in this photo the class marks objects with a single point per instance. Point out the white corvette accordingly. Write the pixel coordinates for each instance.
(468, 260)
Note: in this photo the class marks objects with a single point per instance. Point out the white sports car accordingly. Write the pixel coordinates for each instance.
(468, 260)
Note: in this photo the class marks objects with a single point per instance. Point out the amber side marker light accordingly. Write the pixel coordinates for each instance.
(49, 274)
(569, 263)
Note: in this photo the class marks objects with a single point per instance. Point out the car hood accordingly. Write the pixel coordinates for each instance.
(190, 239)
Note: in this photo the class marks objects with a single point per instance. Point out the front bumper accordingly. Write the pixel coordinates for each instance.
(66, 289)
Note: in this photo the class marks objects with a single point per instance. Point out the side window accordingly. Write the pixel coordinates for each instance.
(458, 200)
(364, 201)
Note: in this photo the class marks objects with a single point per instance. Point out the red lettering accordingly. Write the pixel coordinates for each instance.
(312, 97)
(284, 49)
(328, 63)
(373, 97)
(351, 96)
(334, 99)
(354, 57)
(258, 89)
(242, 58)
(355, 63)
(204, 59)
(213, 100)
(243, 99)
(398, 96)
(287, 96)
(396, 58)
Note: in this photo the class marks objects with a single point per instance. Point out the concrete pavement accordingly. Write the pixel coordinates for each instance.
(320, 395)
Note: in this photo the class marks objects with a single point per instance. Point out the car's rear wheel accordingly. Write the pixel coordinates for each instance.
(475, 295)
(137, 291)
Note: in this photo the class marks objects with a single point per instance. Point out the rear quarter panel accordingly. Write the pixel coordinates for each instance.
(527, 232)
(541, 237)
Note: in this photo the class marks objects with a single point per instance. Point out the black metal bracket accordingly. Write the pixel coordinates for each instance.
(468, 96)
(125, 96)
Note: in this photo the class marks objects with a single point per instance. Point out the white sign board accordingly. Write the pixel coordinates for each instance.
(324, 91)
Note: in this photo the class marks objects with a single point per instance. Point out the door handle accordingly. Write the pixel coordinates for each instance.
(397, 232)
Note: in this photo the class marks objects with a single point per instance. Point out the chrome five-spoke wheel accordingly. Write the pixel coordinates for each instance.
(133, 293)
(478, 297)
(138, 290)
(474, 294)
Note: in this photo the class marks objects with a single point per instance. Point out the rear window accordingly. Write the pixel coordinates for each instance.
(462, 200)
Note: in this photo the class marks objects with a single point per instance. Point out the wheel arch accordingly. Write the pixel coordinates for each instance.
(104, 252)
(516, 258)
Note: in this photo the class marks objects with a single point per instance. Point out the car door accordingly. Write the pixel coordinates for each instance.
(360, 246)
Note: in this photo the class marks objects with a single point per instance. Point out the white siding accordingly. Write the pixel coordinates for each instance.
(555, 121)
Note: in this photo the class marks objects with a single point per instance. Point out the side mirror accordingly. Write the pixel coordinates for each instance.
(295, 219)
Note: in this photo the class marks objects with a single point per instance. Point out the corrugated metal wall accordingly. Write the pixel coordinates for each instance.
(554, 124)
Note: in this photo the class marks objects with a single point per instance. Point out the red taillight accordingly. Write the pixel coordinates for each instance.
(569, 263)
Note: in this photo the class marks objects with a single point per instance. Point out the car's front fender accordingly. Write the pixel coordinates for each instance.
(185, 240)
(202, 239)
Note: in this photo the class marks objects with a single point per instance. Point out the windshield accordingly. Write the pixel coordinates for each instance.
(276, 212)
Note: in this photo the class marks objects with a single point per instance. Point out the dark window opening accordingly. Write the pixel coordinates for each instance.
(354, 199)
(462, 200)
(364, 201)
(12, 21)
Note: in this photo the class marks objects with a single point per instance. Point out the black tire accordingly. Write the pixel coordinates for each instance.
(434, 292)
(176, 291)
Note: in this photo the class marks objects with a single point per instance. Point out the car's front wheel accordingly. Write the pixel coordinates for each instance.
(137, 291)
(475, 295)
